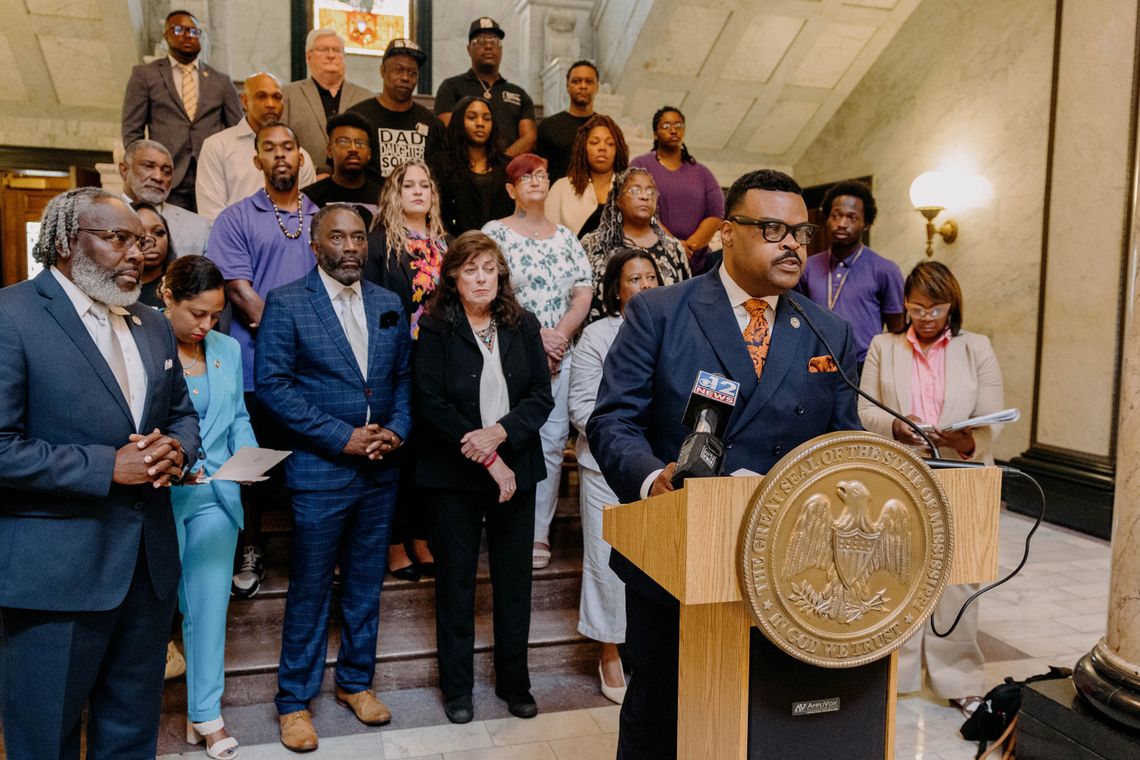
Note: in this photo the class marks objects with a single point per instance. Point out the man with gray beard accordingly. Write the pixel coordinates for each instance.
(147, 169)
(260, 243)
(333, 358)
(95, 422)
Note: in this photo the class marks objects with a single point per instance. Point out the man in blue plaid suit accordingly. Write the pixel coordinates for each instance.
(332, 363)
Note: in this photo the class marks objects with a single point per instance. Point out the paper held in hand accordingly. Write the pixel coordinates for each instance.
(249, 465)
(997, 418)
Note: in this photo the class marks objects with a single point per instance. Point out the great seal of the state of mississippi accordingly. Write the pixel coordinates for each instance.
(845, 549)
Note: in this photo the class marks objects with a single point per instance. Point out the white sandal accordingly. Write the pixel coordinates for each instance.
(223, 749)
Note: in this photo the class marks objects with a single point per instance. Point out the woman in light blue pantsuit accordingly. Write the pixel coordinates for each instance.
(207, 515)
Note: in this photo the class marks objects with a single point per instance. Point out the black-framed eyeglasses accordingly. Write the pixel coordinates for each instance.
(122, 240)
(775, 231)
(348, 142)
(192, 32)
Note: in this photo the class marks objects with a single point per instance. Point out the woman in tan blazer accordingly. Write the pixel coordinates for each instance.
(936, 373)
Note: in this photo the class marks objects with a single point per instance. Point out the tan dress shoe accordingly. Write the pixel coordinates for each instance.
(297, 732)
(368, 709)
(175, 662)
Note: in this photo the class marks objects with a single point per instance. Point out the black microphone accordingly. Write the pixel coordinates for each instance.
(710, 404)
(934, 455)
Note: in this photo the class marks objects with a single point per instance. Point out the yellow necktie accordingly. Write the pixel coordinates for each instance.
(757, 335)
(189, 90)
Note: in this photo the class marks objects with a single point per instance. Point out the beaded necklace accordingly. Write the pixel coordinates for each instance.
(300, 215)
(487, 335)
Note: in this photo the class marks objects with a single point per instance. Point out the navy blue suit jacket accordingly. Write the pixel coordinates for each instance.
(307, 375)
(672, 333)
(69, 537)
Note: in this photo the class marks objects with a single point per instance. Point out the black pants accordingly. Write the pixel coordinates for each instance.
(412, 520)
(647, 728)
(261, 497)
(51, 663)
(457, 521)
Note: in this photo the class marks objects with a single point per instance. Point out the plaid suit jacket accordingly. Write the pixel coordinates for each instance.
(305, 372)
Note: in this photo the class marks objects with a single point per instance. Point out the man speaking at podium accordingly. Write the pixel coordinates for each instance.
(737, 321)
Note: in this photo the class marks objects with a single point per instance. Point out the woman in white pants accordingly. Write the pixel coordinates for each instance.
(601, 613)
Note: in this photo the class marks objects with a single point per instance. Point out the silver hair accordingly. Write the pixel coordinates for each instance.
(144, 144)
(60, 222)
(316, 34)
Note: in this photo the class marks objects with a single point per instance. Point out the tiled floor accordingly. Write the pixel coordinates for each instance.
(1051, 614)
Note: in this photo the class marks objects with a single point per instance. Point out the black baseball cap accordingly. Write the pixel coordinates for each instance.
(402, 46)
(485, 25)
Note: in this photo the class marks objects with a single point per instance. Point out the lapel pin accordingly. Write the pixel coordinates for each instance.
(136, 320)
(795, 321)
(217, 363)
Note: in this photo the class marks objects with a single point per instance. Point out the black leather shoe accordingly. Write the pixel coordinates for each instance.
(520, 705)
(406, 573)
(459, 710)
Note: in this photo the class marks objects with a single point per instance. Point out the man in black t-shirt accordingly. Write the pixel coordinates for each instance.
(349, 152)
(402, 129)
(556, 133)
(511, 107)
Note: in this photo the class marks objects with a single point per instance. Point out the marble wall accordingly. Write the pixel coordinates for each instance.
(963, 85)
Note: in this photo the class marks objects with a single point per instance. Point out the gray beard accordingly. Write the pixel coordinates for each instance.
(283, 184)
(99, 283)
(150, 196)
(344, 276)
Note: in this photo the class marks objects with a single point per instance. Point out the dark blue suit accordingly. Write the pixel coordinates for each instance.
(669, 335)
(88, 568)
(308, 377)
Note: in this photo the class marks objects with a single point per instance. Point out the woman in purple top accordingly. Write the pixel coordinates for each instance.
(690, 202)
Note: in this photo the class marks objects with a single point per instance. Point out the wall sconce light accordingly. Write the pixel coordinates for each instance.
(930, 194)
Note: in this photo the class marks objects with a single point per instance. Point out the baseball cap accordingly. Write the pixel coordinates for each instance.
(485, 25)
(402, 46)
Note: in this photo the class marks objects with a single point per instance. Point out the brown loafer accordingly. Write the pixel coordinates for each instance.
(368, 709)
(297, 732)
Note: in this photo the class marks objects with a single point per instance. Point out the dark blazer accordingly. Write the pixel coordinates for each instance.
(62, 418)
(448, 366)
(672, 333)
(226, 427)
(151, 101)
(305, 114)
(460, 203)
(307, 375)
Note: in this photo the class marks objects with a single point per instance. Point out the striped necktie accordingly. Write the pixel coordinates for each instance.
(189, 90)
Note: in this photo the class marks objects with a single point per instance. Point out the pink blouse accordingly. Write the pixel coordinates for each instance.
(928, 383)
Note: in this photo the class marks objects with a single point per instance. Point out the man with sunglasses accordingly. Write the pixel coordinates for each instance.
(179, 101)
(511, 106)
(95, 423)
(849, 279)
(736, 320)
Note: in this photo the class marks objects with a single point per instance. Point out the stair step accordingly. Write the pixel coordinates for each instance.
(406, 654)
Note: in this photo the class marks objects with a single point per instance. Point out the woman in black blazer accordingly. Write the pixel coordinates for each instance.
(471, 170)
(482, 392)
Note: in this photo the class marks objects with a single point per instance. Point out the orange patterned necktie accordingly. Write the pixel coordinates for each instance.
(757, 336)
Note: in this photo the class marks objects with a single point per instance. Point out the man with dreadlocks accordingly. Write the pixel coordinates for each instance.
(95, 422)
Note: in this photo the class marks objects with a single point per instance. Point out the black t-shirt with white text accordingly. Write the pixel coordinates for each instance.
(399, 136)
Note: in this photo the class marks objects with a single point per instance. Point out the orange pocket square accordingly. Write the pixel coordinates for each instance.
(822, 364)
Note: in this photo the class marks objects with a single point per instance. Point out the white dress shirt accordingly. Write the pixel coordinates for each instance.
(136, 371)
(226, 173)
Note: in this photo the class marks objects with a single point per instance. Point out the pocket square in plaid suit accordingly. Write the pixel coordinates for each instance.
(822, 364)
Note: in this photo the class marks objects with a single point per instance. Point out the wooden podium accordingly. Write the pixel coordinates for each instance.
(687, 541)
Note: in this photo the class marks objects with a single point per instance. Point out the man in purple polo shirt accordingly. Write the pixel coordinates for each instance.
(259, 243)
(849, 278)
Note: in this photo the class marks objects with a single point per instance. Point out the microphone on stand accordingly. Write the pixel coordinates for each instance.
(711, 402)
(935, 457)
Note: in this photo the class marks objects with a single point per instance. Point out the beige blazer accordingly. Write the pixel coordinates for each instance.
(305, 114)
(973, 386)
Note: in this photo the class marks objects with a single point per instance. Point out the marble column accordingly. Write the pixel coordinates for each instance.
(1109, 676)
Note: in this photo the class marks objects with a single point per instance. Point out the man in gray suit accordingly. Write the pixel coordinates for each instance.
(147, 169)
(310, 103)
(179, 101)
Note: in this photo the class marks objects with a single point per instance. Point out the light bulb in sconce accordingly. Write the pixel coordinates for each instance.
(931, 193)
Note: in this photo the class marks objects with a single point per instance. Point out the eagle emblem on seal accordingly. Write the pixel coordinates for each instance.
(850, 548)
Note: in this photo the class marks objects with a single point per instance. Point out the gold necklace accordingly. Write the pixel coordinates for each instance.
(189, 368)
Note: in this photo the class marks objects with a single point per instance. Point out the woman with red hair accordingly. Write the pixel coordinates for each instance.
(551, 277)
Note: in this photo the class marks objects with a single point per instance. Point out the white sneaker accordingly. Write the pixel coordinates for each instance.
(247, 580)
